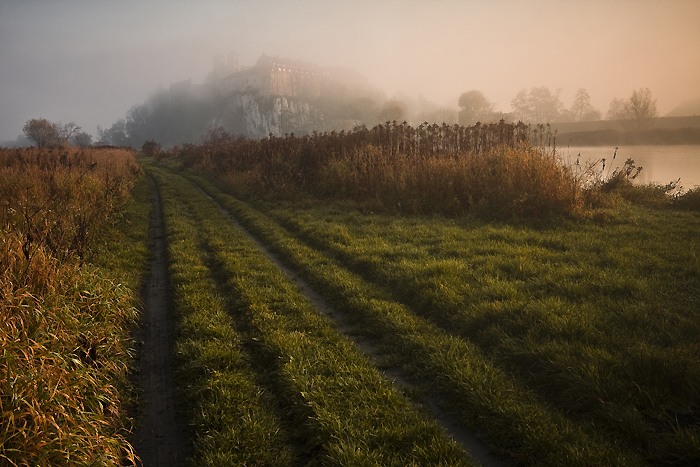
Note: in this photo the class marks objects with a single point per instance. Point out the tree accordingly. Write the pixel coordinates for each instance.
(474, 107)
(42, 132)
(82, 139)
(638, 110)
(581, 109)
(616, 111)
(115, 135)
(65, 131)
(641, 108)
(520, 106)
(45, 133)
(539, 105)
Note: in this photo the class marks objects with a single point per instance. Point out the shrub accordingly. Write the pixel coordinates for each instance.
(689, 200)
(151, 149)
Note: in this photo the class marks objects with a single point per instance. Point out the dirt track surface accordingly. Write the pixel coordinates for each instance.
(161, 437)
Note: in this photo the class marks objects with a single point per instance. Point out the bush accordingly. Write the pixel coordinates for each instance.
(151, 149)
(689, 200)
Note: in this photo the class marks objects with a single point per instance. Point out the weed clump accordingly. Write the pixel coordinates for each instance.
(690, 200)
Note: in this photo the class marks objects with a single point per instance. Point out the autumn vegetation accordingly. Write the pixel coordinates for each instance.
(547, 304)
(445, 169)
(497, 170)
(65, 321)
(570, 343)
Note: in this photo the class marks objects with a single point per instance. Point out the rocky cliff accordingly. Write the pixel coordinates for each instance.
(257, 117)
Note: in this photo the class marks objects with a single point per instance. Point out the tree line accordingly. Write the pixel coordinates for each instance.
(540, 104)
(176, 116)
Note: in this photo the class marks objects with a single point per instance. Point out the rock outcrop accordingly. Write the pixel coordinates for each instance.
(257, 117)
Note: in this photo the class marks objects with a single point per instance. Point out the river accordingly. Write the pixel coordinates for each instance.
(660, 164)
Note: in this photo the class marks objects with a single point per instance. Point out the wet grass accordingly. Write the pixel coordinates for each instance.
(579, 339)
(331, 406)
(600, 322)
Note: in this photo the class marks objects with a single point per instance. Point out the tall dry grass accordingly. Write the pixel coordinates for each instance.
(64, 325)
(497, 170)
(502, 181)
(60, 198)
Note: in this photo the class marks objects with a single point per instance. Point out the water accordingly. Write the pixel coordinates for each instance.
(661, 164)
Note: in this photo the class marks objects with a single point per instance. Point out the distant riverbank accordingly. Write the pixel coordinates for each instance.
(661, 131)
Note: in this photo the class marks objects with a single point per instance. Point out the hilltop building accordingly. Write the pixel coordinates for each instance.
(272, 76)
(225, 65)
(280, 77)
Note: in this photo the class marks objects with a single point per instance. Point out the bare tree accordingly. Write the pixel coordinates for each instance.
(65, 131)
(581, 109)
(638, 110)
(42, 132)
(641, 108)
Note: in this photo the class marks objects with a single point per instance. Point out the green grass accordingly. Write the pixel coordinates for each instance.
(327, 402)
(601, 323)
(487, 395)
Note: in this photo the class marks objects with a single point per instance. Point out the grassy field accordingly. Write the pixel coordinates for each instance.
(560, 334)
(573, 344)
(266, 378)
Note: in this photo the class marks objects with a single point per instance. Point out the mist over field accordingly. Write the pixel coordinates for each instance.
(91, 62)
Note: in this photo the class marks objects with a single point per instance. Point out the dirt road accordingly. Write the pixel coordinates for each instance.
(161, 438)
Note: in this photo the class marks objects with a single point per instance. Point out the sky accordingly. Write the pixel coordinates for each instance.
(88, 62)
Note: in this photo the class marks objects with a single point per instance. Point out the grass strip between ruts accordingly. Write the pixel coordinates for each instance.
(346, 412)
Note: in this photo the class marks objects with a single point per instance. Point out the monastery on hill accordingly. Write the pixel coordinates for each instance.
(274, 76)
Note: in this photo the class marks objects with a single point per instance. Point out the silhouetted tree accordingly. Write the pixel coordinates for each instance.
(66, 131)
(616, 111)
(641, 108)
(115, 135)
(82, 139)
(581, 109)
(474, 107)
(538, 105)
(41, 132)
(638, 110)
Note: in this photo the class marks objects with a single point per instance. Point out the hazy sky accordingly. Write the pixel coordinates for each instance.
(90, 61)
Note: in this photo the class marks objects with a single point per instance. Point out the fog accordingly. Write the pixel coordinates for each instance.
(89, 62)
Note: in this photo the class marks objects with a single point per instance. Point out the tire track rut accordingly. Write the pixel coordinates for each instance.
(161, 437)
